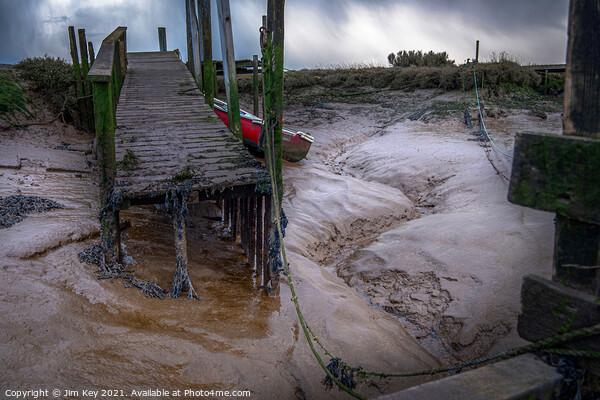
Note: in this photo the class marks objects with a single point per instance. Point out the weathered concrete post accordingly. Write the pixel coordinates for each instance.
(162, 38)
(231, 87)
(209, 71)
(562, 174)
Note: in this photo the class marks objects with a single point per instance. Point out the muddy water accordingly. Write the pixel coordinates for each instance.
(62, 328)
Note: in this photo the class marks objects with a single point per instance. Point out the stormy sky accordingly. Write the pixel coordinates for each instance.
(318, 33)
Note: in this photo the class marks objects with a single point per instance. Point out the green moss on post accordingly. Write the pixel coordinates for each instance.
(105, 133)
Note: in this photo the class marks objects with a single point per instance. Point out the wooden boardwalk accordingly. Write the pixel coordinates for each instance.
(166, 134)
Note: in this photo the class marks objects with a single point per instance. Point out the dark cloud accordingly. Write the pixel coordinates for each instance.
(318, 32)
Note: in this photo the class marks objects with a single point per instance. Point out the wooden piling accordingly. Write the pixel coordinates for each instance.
(252, 236)
(196, 45)
(162, 38)
(234, 219)
(209, 70)
(79, 90)
(243, 221)
(92, 55)
(229, 73)
(216, 81)
(477, 51)
(188, 30)
(260, 264)
(268, 241)
(255, 83)
(85, 66)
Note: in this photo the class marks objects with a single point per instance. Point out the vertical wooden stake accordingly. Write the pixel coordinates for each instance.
(259, 236)
(188, 30)
(209, 70)
(578, 243)
(105, 135)
(229, 73)
(92, 55)
(79, 89)
(252, 236)
(85, 67)
(234, 219)
(216, 83)
(162, 38)
(243, 230)
(477, 51)
(196, 45)
(255, 83)
(268, 230)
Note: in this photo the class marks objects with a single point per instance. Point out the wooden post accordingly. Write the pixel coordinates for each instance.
(105, 135)
(188, 30)
(216, 82)
(87, 88)
(92, 55)
(268, 232)
(162, 38)
(477, 51)
(79, 89)
(255, 83)
(243, 230)
(229, 73)
(209, 70)
(252, 235)
(259, 236)
(196, 45)
(234, 219)
(181, 278)
(546, 82)
(578, 243)
(272, 71)
(562, 174)
(85, 67)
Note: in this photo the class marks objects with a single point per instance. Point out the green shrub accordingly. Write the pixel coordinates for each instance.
(416, 58)
(54, 79)
(13, 100)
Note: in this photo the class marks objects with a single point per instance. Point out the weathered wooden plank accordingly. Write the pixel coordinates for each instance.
(557, 173)
(550, 308)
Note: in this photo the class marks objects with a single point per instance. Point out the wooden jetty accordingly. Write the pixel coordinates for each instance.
(160, 143)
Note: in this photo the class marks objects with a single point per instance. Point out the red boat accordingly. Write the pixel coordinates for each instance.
(295, 144)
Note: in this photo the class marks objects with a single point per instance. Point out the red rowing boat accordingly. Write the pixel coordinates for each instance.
(295, 144)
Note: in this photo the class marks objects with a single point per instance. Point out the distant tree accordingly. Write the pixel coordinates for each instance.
(416, 58)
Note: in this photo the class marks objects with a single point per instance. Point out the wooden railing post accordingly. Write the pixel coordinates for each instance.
(188, 31)
(196, 45)
(79, 87)
(209, 71)
(162, 38)
(92, 55)
(107, 76)
(255, 83)
(231, 87)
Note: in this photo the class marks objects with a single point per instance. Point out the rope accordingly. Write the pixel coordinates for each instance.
(546, 344)
(481, 118)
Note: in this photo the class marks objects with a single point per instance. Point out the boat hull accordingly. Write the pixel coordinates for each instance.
(295, 144)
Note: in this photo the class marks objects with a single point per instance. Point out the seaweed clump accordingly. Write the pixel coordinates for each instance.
(15, 208)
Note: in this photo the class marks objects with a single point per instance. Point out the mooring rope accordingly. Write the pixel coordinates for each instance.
(481, 119)
(545, 345)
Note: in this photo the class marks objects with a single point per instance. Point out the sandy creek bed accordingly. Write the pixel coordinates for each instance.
(410, 215)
